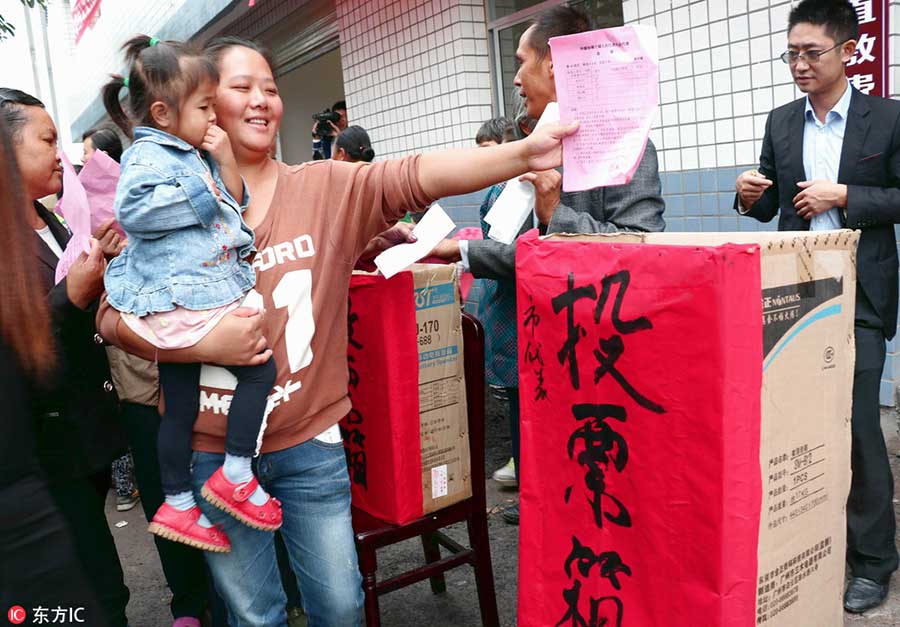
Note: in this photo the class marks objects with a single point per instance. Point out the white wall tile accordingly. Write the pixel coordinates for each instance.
(725, 155)
(705, 109)
(686, 113)
(699, 14)
(722, 106)
(689, 159)
(688, 135)
(718, 33)
(671, 137)
(745, 153)
(681, 19)
(629, 11)
(664, 22)
(685, 89)
(703, 85)
(706, 157)
(666, 69)
(738, 28)
(706, 133)
(740, 53)
(717, 9)
(724, 130)
(743, 128)
(702, 61)
(759, 23)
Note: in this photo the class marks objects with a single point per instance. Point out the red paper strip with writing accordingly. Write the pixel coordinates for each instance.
(381, 433)
(640, 375)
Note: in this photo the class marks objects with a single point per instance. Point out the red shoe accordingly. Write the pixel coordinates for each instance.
(233, 498)
(181, 526)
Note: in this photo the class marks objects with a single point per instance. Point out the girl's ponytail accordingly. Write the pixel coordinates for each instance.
(113, 105)
(136, 45)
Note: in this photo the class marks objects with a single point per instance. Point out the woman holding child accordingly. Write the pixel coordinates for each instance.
(311, 223)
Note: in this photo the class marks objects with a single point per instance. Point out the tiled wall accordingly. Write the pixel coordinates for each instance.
(416, 72)
(719, 77)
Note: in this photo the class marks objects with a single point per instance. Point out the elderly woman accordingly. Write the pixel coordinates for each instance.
(75, 418)
(38, 566)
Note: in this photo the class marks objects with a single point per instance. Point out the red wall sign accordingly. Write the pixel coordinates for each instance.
(84, 13)
(868, 69)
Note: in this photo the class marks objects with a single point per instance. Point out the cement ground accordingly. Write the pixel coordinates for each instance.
(416, 605)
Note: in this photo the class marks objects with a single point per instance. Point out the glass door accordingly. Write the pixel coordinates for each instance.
(511, 18)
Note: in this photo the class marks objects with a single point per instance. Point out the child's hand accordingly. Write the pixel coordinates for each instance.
(211, 184)
(216, 143)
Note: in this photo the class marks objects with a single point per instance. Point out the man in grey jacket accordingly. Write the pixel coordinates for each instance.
(637, 206)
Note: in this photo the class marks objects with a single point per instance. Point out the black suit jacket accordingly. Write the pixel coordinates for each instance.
(76, 412)
(869, 167)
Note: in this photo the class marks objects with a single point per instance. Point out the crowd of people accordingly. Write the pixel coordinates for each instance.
(251, 515)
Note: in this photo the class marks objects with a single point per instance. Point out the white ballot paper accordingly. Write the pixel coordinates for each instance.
(434, 226)
(607, 80)
(516, 202)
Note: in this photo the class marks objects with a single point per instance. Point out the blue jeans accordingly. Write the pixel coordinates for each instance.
(311, 482)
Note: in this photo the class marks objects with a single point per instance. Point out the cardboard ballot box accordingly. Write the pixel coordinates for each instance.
(406, 438)
(685, 408)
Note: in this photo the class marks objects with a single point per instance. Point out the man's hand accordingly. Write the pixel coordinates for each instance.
(819, 196)
(400, 233)
(216, 143)
(547, 186)
(447, 250)
(237, 340)
(84, 283)
(111, 243)
(543, 148)
(750, 186)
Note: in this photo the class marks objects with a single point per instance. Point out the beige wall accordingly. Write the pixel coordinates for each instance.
(307, 90)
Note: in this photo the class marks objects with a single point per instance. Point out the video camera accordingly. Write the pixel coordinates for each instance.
(323, 128)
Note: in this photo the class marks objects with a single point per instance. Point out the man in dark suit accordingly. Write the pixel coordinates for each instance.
(832, 160)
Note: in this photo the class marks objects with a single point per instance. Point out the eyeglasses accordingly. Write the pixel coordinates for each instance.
(810, 56)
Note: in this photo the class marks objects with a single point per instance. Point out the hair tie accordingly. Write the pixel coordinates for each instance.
(125, 81)
(153, 41)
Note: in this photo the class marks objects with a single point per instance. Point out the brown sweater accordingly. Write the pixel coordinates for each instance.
(322, 216)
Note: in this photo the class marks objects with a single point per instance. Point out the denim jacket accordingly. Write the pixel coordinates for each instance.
(185, 248)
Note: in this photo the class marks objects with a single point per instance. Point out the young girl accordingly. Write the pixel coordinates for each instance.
(179, 200)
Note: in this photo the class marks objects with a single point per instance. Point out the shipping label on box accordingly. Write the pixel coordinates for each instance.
(446, 474)
(407, 436)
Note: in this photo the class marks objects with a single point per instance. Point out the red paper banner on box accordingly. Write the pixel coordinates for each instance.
(640, 373)
(868, 69)
(381, 433)
(84, 12)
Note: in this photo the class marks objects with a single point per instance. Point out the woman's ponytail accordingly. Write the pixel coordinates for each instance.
(356, 143)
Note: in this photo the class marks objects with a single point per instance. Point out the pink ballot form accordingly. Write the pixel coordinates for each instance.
(607, 80)
(99, 178)
(74, 207)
